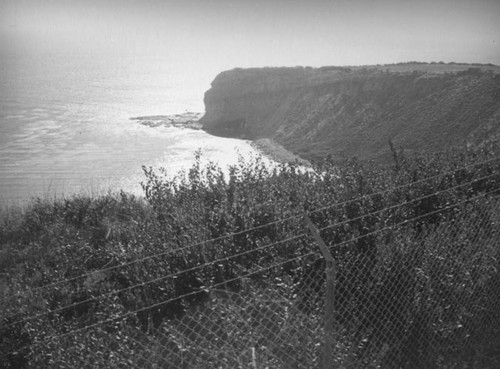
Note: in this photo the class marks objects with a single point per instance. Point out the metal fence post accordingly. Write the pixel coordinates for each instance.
(329, 296)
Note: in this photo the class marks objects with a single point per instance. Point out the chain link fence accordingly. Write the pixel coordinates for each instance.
(251, 329)
(425, 299)
(416, 294)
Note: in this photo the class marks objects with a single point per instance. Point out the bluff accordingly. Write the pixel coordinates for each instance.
(356, 111)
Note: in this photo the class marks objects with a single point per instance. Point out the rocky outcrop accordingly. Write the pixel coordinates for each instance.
(186, 120)
(333, 110)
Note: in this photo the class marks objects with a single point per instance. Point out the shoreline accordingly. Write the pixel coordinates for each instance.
(55, 187)
(274, 151)
(264, 146)
(189, 120)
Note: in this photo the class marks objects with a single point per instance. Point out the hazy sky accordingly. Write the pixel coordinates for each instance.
(212, 35)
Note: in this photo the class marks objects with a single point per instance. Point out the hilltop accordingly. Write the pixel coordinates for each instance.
(356, 111)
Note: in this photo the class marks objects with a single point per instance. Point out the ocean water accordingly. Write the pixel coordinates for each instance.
(65, 124)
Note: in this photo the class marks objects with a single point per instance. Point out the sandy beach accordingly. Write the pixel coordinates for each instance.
(265, 146)
(278, 153)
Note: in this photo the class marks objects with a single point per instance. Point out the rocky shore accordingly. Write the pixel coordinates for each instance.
(356, 111)
(191, 120)
(186, 120)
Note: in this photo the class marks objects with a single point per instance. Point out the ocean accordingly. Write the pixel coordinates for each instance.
(65, 124)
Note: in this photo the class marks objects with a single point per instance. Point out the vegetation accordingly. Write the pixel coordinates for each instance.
(354, 111)
(132, 244)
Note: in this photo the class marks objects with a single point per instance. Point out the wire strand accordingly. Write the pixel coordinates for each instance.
(140, 260)
(220, 284)
(201, 266)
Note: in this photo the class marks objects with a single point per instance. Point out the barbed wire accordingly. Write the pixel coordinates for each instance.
(231, 256)
(173, 275)
(53, 284)
(259, 270)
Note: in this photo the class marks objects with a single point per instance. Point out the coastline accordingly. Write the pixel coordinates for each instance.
(189, 120)
(278, 153)
(264, 146)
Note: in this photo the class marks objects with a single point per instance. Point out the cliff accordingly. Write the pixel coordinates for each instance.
(314, 112)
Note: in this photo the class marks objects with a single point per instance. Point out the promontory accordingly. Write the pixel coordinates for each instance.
(356, 111)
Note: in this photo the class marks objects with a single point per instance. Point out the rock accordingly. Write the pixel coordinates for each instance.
(187, 120)
(315, 112)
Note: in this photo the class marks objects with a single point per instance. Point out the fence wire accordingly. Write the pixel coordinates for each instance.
(429, 299)
(415, 295)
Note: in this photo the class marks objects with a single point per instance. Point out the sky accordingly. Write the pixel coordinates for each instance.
(214, 35)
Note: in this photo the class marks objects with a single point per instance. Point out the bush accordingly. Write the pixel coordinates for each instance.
(132, 244)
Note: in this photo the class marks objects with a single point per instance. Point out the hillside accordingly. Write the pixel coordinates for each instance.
(202, 269)
(314, 112)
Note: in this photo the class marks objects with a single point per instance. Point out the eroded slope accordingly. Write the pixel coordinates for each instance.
(334, 110)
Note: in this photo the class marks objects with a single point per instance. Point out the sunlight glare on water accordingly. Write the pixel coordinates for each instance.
(65, 126)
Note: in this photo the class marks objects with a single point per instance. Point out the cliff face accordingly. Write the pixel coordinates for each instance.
(315, 112)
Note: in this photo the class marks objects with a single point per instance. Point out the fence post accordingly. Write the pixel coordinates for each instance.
(329, 296)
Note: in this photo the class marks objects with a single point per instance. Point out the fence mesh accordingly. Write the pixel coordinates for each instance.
(425, 299)
(410, 295)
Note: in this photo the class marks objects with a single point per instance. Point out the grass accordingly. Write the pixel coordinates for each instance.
(102, 238)
(356, 111)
